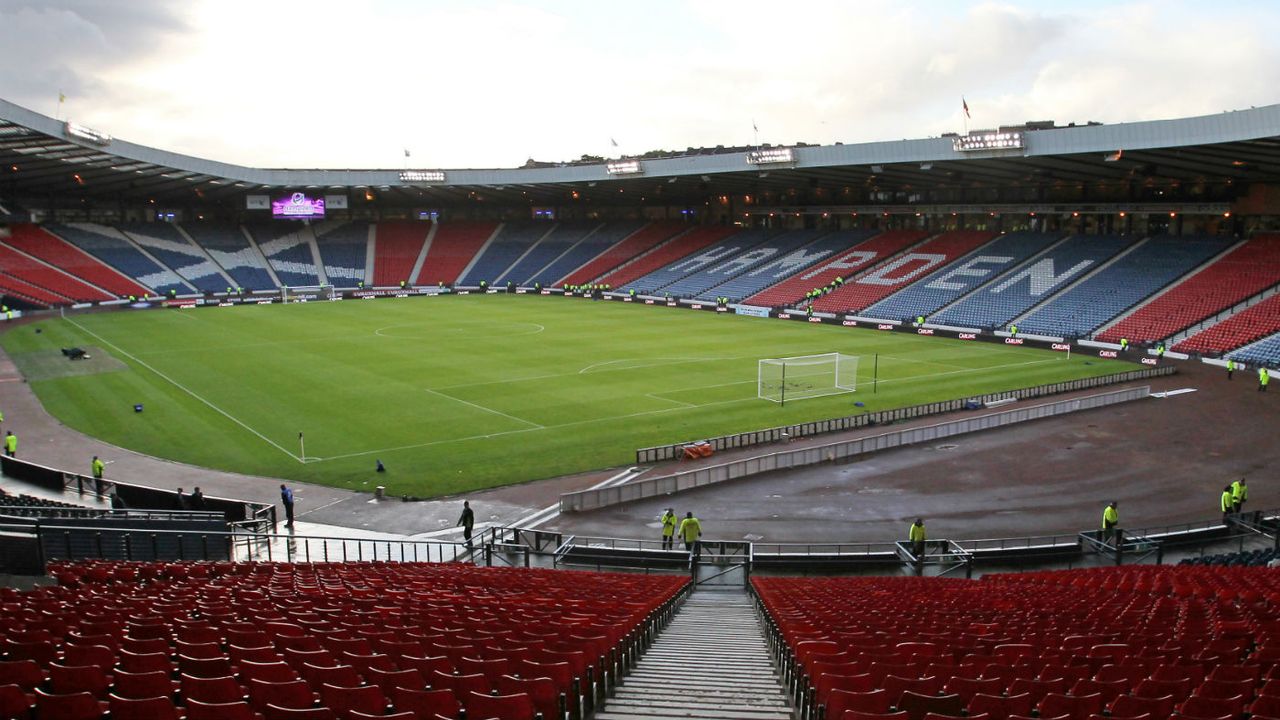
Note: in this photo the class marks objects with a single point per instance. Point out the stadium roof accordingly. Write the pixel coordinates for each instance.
(45, 157)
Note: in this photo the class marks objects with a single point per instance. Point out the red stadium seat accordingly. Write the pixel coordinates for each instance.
(239, 710)
(426, 703)
(499, 707)
(153, 708)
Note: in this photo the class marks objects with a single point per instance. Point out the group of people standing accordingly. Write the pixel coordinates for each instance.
(1234, 496)
(688, 530)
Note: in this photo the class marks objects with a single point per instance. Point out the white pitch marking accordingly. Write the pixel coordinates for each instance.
(753, 398)
(185, 389)
(651, 362)
(534, 425)
(678, 402)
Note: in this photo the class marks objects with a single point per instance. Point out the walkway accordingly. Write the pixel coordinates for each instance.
(711, 662)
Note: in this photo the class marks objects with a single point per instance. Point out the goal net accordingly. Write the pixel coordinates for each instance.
(306, 293)
(806, 376)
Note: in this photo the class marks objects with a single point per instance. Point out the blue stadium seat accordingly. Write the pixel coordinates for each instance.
(112, 247)
(287, 246)
(1133, 277)
(591, 246)
(772, 272)
(228, 247)
(663, 278)
(344, 250)
(1017, 291)
(171, 247)
(512, 241)
(954, 280)
(566, 235)
(1264, 352)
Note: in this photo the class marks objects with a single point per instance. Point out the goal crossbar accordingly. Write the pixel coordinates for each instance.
(806, 376)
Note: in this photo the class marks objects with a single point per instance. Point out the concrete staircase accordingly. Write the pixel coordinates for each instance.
(711, 662)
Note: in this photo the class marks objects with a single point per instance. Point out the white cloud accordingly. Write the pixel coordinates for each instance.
(490, 83)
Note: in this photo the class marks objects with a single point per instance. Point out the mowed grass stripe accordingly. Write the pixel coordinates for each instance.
(457, 393)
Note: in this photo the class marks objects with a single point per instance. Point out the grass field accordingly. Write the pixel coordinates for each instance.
(458, 393)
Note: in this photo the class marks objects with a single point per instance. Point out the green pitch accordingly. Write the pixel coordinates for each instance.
(458, 393)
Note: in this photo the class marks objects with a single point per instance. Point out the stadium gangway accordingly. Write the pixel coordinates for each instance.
(1123, 543)
(44, 512)
(1258, 522)
(73, 542)
(825, 555)
(603, 552)
(946, 555)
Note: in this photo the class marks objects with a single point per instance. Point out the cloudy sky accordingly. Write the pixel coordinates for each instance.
(490, 83)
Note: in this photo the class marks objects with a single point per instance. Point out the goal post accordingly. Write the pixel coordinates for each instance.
(306, 293)
(806, 376)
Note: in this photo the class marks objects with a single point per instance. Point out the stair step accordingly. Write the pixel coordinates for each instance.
(711, 662)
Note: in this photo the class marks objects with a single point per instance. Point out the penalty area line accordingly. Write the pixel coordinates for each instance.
(532, 425)
(184, 389)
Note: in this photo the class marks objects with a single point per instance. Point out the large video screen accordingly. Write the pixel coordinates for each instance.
(298, 207)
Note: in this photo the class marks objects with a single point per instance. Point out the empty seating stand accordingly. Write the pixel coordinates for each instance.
(735, 278)
(702, 284)
(228, 247)
(603, 238)
(1265, 352)
(1200, 641)
(344, 250)
(961, 276)
(113, 248)
(551, 246)
(776, 271)
(1240, 274)
(1131, 278)
(397, 244)
(664, 254)
(1019, 290)
(38, 282)
(231, 640)
(508, 246)
(1246, 326)
(848, 261)
(38, 243)
(287, 246)
(867, 289)
(452, 247)
(665, 277)
(169, 246)
(632, 248)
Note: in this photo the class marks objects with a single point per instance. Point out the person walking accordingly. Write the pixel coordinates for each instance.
(10, 444)
(196, 499)
(184, 505)
(1264, 377)
(690, 531)
(1110, 519)
(467, 520)
(286, 499)
(668, 529)
(1227, 503)
(917, 535)
(1231, 368)
(1239, 495)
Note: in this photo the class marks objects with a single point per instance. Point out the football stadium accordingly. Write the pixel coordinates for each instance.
(973, 424)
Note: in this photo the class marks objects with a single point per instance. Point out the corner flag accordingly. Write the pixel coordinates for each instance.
(965, 104)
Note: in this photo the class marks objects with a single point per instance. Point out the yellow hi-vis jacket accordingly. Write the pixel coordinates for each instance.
(690, 529)
(1239, 491)
(1110, 517)
(1227, 502)
(668, 524)
(917, 533)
